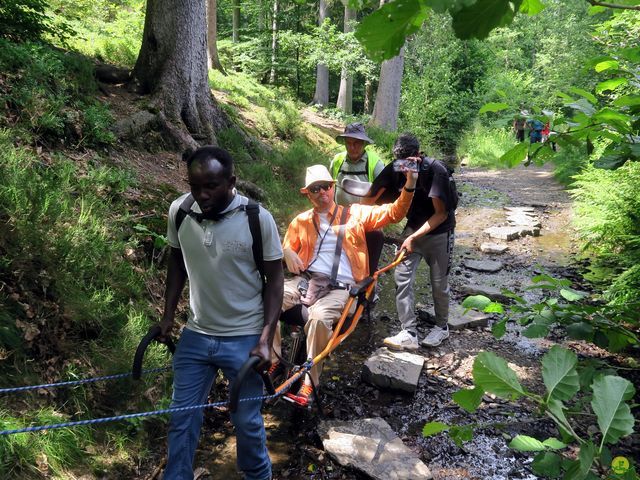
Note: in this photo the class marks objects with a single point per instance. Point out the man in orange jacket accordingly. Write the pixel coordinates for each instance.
(326, 246)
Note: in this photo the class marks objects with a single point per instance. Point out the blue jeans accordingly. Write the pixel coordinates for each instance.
(195, 364)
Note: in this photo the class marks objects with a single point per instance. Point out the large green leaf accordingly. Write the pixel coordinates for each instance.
(479, 302)
(559, 373)
(614, 416)
(610, 84)
(547, 464)
(461, 434)
(492, 374)
(556, 407)
(383, 33)
(583, 93)
(469, 399)
(433, 428)
(516, 155)
(532, 7)
(606, 65)
(478, 19)
(493, 107)
(524, 443)
(579, 469)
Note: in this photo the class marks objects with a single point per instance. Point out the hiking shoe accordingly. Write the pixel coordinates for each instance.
(436, 336)
(304, 397)
(404, 340)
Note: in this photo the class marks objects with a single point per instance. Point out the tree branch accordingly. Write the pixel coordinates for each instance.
(596, 3)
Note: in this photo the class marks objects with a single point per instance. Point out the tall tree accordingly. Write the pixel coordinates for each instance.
(172, 67)
(235, 31)
(212, 35)
(274, 42)
(345, 94)
(321, 95)
(385, 111)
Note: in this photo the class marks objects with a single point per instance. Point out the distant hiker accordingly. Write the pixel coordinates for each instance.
(234, 310)
(535, 130)
(518, 127)
(428, 235)
(324, 249)
(358, 162)
(546, 130)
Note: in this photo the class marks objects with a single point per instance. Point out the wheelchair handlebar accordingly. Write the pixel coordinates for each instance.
(237, 383)
(152, 334)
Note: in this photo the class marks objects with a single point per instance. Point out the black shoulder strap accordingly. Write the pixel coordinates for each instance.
(183, 211)
(253, 212)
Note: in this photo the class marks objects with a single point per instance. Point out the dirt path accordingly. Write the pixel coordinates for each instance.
(295, 447)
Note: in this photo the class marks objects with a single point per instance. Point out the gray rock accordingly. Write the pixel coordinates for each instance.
(459, 320)
(488, 291)
(370, 446)
(503, 233)
(488, 247)
(525, 220)
(483, 265)
(520, 209)
(393, 370)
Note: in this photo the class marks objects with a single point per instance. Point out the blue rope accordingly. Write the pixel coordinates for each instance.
(80, 382)
(305, 367)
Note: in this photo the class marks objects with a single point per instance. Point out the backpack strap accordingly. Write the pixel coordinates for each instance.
(184, 210)
(253, 212)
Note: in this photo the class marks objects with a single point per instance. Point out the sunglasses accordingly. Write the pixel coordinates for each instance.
(320, 186)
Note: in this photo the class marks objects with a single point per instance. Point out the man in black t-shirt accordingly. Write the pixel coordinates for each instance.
(429, 234)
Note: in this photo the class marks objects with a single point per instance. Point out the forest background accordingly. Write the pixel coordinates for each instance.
(65, 178)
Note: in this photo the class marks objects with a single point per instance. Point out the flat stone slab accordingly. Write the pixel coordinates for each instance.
(459, 320)
(371, 446)
(530, 221)
(520, 209)
(393, 370)
(488, 247)
(493, 293)
(484, 265)
(503, 233)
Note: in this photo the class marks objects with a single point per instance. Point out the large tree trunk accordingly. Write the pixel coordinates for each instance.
(321, 96)
(172, 67)
(235, 26)
(345, 94)
(212, 35)
(385, 111)
(274, 42)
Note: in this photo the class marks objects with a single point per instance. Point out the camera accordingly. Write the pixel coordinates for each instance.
(405, 165)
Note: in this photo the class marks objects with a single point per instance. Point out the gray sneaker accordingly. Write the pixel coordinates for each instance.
(402, 341)
(436, 336)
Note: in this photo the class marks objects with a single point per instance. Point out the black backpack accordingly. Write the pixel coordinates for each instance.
(454, 195)
(253, 214)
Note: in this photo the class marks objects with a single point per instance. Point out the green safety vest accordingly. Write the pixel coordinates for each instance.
(372, 160)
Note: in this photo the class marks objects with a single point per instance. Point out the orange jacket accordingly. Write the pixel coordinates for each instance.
(301, 234)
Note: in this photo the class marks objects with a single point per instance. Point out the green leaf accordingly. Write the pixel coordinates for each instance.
(627, 101)
(547, 464)
(582, 105)
(514, 156)
(611, 115)
(494, 307)
(571, 295)
(433, 428)
(523, 443)
(556, 407)
(492, 374)
(610, 84)
(606, 65)
(559, 373)
(554, 444)
(461, 434)
(611, 162)
(469, 399)
(478, 19)
(532, 7)
(493, 107)
(608, 403)
(479, 302)
(536, 330)
(583, 93)
(498, 329)
(580, 331)
(383, 33)
(631, 53)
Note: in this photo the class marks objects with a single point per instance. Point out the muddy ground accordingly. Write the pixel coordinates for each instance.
(296, 448)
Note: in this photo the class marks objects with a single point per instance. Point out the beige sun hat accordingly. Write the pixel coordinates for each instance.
(316, 173)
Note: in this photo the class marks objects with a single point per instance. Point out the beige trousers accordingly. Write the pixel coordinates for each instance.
(323, 315)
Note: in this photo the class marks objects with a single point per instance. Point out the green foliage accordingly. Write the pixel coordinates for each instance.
(568, 162)
(48, 96)
(484, 146)
(27, 20)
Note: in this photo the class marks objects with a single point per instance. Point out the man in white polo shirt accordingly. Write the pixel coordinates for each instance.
(232, 315)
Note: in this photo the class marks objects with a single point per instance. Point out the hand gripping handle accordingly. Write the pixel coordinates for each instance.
(237, 383)
(152, 334)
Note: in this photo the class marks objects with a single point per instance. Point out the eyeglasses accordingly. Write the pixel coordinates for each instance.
(320, 186)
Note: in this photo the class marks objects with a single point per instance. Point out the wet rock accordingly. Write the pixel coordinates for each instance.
(488, 247)
(503, 233)
(483, 265)
(520, 209)
(458, 319)
(370, 446)
(393, 370)
(488, 291)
